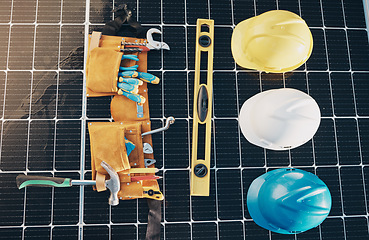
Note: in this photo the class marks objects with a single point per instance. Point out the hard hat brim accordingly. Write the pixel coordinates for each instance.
(246, 127)
(236, 43)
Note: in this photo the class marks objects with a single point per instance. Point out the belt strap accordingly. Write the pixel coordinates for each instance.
(114, 28)
(95, 40)
(100, 182)
(153, 220)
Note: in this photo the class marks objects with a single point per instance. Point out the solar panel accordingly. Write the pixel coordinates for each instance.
(44, 113)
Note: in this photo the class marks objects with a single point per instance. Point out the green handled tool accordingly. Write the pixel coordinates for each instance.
(41, 181)
(113, 184)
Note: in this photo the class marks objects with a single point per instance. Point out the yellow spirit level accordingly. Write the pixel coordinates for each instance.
(202, 109)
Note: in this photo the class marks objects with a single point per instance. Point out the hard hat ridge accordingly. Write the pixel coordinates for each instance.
(279, 119)
(288, 201)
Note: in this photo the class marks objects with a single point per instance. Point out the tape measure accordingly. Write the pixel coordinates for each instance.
(202, 108)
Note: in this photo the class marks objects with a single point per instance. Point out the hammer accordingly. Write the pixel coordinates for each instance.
(113, 184)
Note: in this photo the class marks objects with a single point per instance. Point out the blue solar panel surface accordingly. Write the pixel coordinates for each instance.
(44, 113)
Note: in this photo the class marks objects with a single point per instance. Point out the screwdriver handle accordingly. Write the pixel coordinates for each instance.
(41, 181)
(130, 57)
(147, 77)
(134, 97)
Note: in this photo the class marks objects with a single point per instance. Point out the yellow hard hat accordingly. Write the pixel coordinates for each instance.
(276, 41)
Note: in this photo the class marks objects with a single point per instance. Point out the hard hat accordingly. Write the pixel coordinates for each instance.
(288, 201)
(279, 119)
(275, 41)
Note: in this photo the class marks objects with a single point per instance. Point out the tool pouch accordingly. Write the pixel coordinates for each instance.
(103, 70)
(107, 142)
(104, 57)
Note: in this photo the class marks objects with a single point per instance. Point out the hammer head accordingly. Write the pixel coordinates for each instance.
(113, 184)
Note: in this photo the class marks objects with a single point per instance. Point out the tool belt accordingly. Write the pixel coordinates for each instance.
(128, 115)
(107, 140)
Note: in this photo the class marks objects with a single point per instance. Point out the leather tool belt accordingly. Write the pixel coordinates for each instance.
(131, 119)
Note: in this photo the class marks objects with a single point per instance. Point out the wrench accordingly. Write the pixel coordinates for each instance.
(149, 162)
(152, 44)
(170, 120)
(144, 47)
(147, 148)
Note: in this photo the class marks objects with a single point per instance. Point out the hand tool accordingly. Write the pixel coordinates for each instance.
(143, 178)
(140, 170)
(144, 47)
(130, 57)
(147, 149)
(132, 96)
(152, 44)
(128, 84)
(169, 121)
(126, 87)
(113, 184)
(132, 68)
(149, 162)
(147, 77)
(202, 110)
(134, 47)
(133, 81)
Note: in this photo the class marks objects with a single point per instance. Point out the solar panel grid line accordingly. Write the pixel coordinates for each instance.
(362, 171)
(239, 141)
(41, 70)
(58, 72)
(353, 92)
(7, 64)
(42, 24)
(215, 159)
(188, 112)
(247, 71)
(334, 122)
(338, 28)
(5, 84)
(83, 127)
(314, 164)
(239, 147)
(326, 49)
(217, 192)
(31, 86)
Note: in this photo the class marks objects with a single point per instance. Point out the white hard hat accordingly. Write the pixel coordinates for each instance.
(279, 119)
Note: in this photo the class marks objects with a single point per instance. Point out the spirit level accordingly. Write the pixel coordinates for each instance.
(202, 108)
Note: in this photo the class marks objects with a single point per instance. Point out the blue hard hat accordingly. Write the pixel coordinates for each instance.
(288, 201)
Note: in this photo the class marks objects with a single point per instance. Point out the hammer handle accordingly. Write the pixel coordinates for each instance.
(41, 181)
